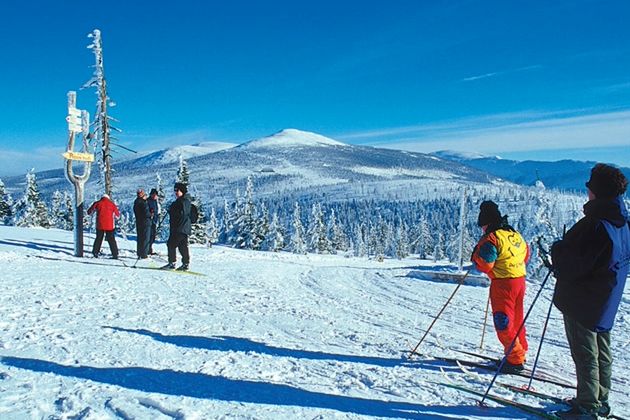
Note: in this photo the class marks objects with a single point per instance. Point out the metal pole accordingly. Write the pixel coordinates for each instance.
(542, 338)
(485, 321)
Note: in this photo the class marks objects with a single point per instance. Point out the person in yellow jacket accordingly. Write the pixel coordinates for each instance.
(502, 253)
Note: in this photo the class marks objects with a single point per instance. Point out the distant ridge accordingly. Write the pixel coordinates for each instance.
(561, 174)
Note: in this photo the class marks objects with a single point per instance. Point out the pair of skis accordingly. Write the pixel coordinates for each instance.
(537, 411)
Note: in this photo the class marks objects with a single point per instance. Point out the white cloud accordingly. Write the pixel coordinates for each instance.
(518, 132)
(498, 73)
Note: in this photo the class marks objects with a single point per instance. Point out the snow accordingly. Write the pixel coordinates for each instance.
(261, 335)
(290, 137)
(172, 155)
(399, 172)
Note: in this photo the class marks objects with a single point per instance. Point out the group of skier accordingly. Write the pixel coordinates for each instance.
(182, 214)
(590, 264)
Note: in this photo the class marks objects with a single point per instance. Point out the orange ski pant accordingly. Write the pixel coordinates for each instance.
(506, 297)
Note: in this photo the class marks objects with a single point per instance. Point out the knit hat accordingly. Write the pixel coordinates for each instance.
(105, 196)
(488, 213)
(607, 181)
(140, 192)
(153, 191)
(181, 187)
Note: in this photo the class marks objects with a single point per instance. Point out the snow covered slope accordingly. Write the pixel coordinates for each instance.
(172, 155)
(261, 335)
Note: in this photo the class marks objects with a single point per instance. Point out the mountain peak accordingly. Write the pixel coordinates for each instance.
(291, 137)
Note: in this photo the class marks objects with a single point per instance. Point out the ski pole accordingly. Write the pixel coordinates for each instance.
(485, 321)
(438, 315)
(542, 338)
(547, 261)
(513, 343)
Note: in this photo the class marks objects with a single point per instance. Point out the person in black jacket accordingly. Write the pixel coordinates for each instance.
(180, 217)
(154, 208)
(591, 264)
(143, 224)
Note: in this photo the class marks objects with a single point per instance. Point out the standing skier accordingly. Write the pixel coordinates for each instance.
(502, 253)
(143, 224)
(591, 265)
(105, 211)
(181, 218)
(154, 209)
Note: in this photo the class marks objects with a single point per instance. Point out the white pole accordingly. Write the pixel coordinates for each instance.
(462, 226)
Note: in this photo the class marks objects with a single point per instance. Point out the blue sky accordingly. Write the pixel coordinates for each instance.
(539, 79)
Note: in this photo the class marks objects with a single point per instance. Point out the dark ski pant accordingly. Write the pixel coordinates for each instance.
(178, 241)
(152, 237)
(593, 363)
(111, 240)
(143, 232)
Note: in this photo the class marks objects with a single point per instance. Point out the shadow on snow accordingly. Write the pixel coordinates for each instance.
(238, 344)
(198, 385)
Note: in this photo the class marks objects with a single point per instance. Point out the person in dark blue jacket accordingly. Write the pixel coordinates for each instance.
(591, 265)
(143, 224)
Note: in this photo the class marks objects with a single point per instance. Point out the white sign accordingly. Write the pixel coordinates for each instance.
(74, 124)
(74, 112)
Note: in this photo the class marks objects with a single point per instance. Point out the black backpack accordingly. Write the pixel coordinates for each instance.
(194, 214)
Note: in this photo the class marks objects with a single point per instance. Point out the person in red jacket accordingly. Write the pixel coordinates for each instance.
(105, 211)
(502, 253)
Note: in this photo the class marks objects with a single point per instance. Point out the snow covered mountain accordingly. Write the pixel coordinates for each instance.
(290, 162)
(563, 174)
(291, 137)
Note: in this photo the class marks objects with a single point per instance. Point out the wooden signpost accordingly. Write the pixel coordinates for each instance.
(78, 122)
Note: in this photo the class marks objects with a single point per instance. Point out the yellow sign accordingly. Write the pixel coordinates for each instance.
(86, 157)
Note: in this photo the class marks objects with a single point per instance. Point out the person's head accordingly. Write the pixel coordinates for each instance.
(180, 189)
(606, 182)
(105, 196)
(153, 193)
(140, 193)
(488, 214)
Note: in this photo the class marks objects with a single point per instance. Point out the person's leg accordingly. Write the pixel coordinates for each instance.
(183, 249)
(583, 345)
(98, 241)
(605, 360)
(111, 241)
(171, 244)
(519, 313)
(140, 240)
(152, 237)
(503, 307)
(147, 240)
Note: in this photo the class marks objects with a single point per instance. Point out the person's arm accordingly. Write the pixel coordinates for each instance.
(577, 255)
(485, 254)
